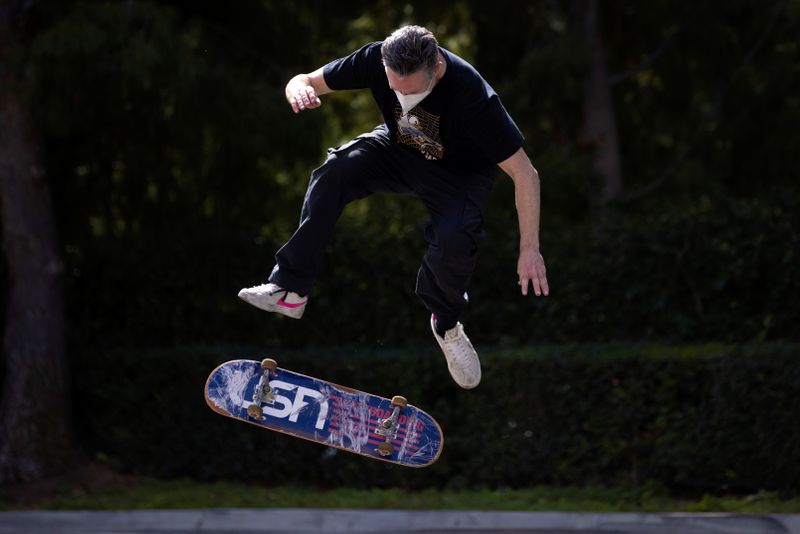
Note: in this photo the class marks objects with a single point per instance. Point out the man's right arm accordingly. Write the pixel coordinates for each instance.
(303, 91)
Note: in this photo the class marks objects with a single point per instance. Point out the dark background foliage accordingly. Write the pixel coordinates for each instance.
(177, 169)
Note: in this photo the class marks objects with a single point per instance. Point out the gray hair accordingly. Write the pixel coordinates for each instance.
(410, 49)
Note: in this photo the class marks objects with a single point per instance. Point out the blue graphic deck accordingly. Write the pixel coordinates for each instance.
(327, 413)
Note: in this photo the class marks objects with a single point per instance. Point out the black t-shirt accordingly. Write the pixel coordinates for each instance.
(462, 124)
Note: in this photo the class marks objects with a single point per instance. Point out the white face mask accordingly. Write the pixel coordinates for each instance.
(408, 102)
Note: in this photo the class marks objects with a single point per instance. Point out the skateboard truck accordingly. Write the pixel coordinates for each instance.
(388, 427)
(263, 391)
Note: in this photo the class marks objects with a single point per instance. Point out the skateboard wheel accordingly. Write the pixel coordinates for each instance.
(269, 363)
(399, 401)
(254, 411)
(385, 449)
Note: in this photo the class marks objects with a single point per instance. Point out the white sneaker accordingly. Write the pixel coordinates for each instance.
(462, 360)
(272, 298)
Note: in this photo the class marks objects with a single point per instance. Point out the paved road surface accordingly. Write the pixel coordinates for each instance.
(252, 521)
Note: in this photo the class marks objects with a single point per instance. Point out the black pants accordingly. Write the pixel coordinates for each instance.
(373, 163)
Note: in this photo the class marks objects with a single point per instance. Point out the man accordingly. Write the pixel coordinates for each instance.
(445, 131)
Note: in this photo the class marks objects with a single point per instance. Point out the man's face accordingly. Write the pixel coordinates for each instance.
(412, 84)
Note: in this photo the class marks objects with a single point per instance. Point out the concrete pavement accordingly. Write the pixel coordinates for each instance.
(253, 521)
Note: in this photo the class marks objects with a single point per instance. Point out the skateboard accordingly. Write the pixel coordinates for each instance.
(265, 395)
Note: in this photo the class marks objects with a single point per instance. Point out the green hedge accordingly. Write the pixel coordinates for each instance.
(707, 418)
(716, 271)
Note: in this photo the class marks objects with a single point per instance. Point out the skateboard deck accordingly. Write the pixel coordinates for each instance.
(263, 394)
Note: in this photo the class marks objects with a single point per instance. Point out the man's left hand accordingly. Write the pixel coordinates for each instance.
(531, 270)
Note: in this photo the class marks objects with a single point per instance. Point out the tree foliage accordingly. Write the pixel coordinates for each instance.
(179, 169)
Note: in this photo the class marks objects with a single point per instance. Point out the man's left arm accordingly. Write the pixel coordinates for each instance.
(530, 266)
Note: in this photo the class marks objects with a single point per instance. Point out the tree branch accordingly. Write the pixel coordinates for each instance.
(695, 137)
(646, 62)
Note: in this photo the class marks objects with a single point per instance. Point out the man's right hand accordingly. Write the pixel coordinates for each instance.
(303, 91)
(304, 97)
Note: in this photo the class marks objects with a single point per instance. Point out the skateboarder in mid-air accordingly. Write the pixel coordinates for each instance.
(445, 131)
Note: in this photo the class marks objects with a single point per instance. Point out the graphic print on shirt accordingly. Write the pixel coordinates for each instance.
(420, 130)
